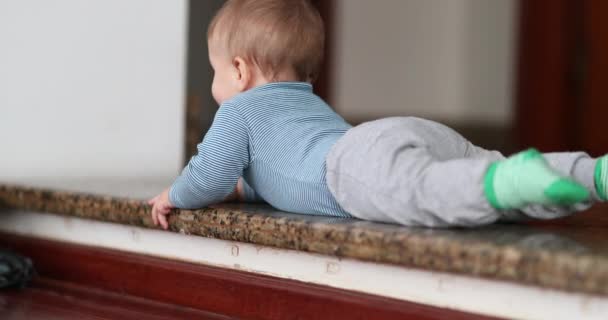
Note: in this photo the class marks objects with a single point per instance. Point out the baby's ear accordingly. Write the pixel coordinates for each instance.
(243, 76)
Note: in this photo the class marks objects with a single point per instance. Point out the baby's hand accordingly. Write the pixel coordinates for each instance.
(161, 207)
(237, 193)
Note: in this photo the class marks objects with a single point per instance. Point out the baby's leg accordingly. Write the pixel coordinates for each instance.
(412, 172)
(579, 167)
(416, 172)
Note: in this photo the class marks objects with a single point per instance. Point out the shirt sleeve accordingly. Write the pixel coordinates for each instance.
(212, 174)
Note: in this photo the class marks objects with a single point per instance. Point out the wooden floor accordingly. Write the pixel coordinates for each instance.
(50, 300)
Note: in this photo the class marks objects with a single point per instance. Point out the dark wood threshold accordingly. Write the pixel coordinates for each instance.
(213, 290)
(51, 299)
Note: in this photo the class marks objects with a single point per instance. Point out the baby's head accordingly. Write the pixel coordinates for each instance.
(253, 42)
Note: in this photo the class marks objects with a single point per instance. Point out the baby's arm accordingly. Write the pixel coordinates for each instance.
(212, 174)
(246, 192)
(243, 193)
(161, 206)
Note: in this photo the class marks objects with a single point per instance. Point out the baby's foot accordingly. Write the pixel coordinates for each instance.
(601, 177)
(526, 178)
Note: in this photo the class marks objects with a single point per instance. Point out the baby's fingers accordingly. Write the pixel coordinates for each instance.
(153, 215)
(162, 218)
(153, 201)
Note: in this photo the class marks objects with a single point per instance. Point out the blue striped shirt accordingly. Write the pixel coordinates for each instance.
(275, 136)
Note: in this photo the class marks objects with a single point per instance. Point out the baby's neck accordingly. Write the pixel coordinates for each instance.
(287, 75)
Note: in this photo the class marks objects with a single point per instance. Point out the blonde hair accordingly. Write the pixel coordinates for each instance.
(273, 34)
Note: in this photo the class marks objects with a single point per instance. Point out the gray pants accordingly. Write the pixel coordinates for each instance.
(417, 172)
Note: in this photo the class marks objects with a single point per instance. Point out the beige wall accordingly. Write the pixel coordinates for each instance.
(450, 60)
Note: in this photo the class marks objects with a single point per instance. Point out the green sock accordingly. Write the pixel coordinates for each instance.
(526, 178)
(601, 177)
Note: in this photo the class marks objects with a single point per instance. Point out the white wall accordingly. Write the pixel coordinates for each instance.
(450, 60)
(91, 88)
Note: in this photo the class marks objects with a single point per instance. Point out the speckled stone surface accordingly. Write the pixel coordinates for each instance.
(562, 257)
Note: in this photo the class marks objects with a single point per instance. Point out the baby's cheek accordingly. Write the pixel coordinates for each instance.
(214, 93)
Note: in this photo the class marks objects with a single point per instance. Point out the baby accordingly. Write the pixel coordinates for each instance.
(293, 152)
